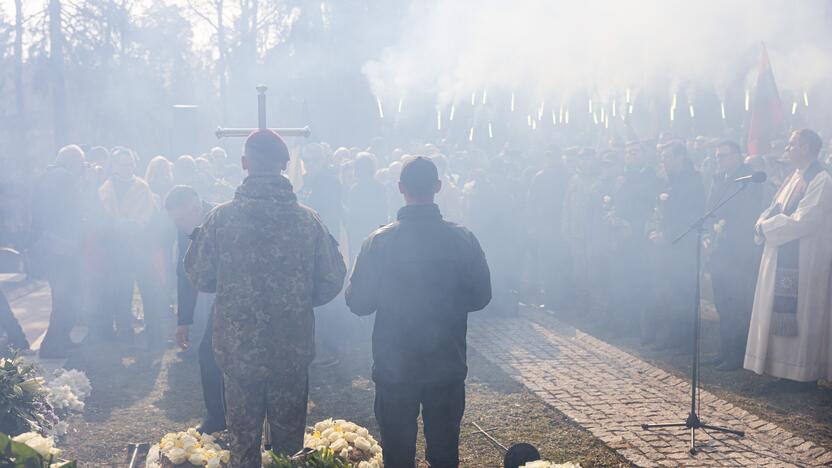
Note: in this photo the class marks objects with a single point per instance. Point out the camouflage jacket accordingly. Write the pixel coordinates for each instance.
(270, 260)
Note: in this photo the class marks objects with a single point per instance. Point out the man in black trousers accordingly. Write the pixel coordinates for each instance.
(733, 257)
(421, 275)
(187, 211)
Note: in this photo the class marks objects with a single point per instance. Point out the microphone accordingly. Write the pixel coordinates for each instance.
(758, 178)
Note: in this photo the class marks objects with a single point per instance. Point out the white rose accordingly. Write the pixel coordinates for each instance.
(327, 432)
(338, 445)
(213, 463)
(197, 458)
(537, 464)
(363, 444)
(364, 464)
(363, 432)
(177, 456)
(323, 425)
(345, 453)
(376, 449)
(334, 436)
(350, 437)
(225, 456)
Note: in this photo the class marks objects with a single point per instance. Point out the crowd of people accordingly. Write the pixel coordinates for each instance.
(599, 230)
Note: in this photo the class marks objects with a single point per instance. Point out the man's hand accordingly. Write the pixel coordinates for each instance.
(182, 336)
(656, 237)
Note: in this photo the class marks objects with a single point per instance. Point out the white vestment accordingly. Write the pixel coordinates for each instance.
(807, 356)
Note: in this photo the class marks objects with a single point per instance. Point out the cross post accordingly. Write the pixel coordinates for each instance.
(261, 123)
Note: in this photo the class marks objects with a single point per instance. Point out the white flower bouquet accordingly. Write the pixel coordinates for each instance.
(44, 446)
(192, 448)
(548, 464)
(347, 440)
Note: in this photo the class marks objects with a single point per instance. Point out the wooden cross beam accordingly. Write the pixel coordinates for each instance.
(261, 123)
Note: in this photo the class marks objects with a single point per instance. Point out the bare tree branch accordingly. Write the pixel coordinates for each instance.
(201, 15)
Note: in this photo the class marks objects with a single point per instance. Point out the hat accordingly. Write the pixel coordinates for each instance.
(265, 144)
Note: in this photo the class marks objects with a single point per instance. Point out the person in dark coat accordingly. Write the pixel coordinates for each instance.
(421, 276)
(679, 205)
(733, 257)
(630, 207)
(58, 219)
(188, 211)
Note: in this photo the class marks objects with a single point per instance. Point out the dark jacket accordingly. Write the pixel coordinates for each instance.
(421, 275)
(186, 293)
(734, 248)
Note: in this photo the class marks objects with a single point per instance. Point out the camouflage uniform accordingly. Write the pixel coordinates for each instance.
(270, 260)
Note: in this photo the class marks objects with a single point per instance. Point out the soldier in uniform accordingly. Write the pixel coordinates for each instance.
(270, 260)
(421, 276)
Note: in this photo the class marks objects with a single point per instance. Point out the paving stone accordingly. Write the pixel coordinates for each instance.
(611, 393)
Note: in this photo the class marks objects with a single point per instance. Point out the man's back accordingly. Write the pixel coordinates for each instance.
(270, 260)
(421, 275)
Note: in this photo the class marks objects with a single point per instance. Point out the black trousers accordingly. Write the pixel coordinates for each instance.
(10, 325)
(733, 299)
(397, 408)
(211, 376)
(64, 275)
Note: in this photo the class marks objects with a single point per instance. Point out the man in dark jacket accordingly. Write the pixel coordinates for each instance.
(421, 275)
(681, 203)
(734, 258)
(188, 211)
(58, 217)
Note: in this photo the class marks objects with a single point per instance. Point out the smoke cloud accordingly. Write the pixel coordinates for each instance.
(555, 49)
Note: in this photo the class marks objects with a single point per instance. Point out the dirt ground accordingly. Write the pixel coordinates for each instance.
(807, 414)
(140, 395)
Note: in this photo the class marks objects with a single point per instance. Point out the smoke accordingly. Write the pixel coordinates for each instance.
(554, 49)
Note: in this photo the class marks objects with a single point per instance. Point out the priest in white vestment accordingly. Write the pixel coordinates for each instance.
(790, 335)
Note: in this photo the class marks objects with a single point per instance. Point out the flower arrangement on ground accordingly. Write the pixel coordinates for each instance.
(24, 402)
(307, 458)
(31, 450)
(66, 394)
(346, 440)
(190, 448)
(548, 464)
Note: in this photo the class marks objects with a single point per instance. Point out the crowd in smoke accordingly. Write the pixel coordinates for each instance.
(588, 229)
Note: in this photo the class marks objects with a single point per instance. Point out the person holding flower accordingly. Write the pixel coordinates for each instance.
(733, 258)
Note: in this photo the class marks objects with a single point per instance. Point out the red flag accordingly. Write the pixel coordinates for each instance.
(767, 118)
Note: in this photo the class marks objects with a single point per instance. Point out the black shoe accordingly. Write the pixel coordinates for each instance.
(210, 426)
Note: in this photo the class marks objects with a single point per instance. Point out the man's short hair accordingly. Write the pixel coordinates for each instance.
(180, 196)
(365, 165)
(731, 144)
(266, 150)
(811, 139)
(419, 176)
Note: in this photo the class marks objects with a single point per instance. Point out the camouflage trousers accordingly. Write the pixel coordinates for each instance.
(282, 398)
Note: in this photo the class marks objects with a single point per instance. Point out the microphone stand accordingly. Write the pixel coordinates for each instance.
(693, 422)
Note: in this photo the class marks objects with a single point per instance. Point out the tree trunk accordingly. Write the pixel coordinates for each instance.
(56, 74)
(20, 131)
(221, 63)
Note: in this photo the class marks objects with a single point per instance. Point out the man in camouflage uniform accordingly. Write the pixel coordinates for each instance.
(270, 260)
